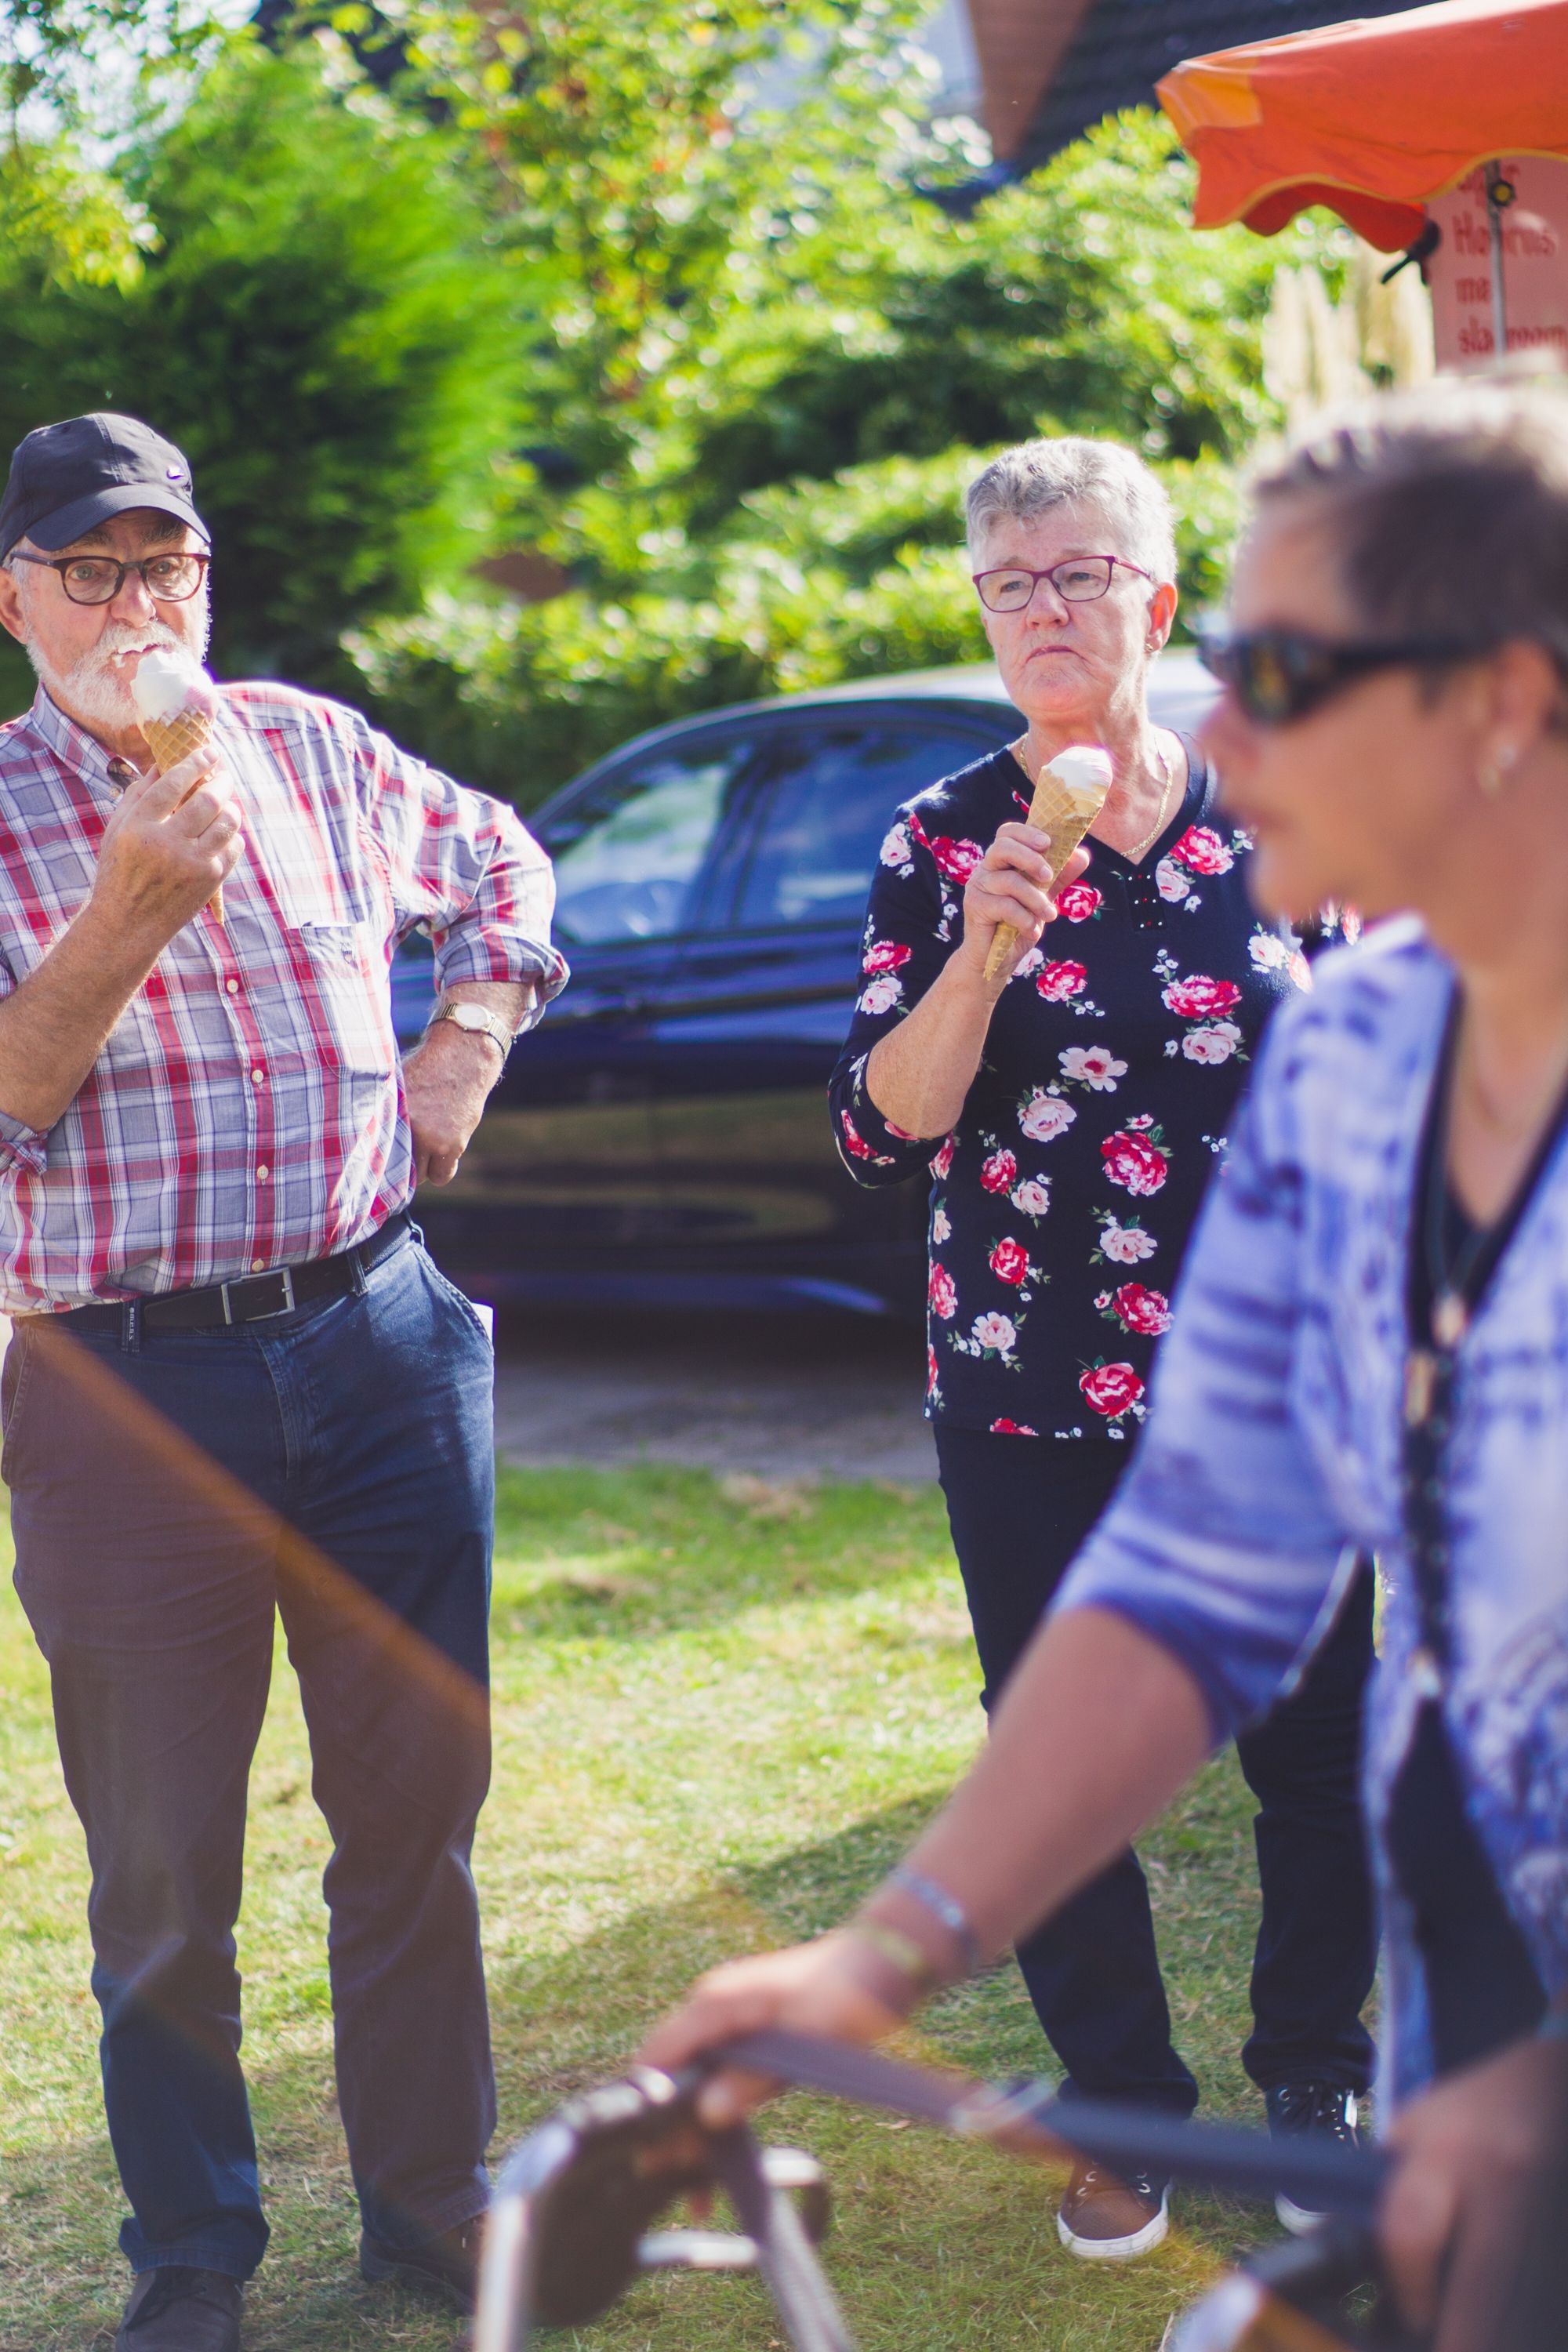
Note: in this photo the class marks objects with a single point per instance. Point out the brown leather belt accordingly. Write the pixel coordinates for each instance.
(251, 1299)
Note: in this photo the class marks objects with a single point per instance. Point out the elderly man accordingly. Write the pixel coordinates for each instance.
(237, 1383)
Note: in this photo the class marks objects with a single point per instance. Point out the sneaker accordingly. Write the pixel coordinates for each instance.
(445, 2267)
(176, 2308)
(1327, 2112)
(1104, 2219)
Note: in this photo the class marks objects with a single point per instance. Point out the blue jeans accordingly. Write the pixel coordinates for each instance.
(334, 1463)
(1020, 1510)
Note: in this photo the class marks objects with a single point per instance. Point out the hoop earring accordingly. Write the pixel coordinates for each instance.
(1492, 776)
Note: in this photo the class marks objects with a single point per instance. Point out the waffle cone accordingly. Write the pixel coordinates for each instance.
(1066, 817)
(172, 740)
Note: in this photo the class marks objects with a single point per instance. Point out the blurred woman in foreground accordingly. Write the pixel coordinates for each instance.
(1370, 1341)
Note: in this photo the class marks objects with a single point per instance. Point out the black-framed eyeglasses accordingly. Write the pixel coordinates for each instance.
(98, 579)
(1008, 587)
(1279, 675)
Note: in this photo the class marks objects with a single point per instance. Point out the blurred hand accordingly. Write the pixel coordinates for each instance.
(447, 1081)
(817, 1988)
(1009, 886)
(1470, 2155)
(160, 862)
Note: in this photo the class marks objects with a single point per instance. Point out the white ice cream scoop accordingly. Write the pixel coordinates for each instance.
(1084, 772)
(166, 682)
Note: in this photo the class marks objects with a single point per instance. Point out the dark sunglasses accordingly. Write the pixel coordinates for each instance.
(1279, 675)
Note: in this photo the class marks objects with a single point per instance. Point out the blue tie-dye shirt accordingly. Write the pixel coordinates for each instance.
(1272, 1451)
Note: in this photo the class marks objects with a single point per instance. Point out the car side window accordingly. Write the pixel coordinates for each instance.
(829, 800)
(630, 854)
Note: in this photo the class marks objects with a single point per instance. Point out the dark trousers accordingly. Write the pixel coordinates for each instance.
(334, 1463)
(1020, 1509)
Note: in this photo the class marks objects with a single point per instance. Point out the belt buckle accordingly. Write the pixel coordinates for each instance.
(282, 1275)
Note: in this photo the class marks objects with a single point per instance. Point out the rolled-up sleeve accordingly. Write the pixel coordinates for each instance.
(21, 1147)
(464, 865)
(907, 941)
(1223, 1544)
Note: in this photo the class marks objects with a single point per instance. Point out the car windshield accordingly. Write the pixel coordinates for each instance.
(633, 849)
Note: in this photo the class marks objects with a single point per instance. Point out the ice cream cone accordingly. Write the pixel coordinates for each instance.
(1065, 805)
(173, 739)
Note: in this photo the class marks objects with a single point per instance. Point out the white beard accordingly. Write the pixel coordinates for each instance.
(91, 688)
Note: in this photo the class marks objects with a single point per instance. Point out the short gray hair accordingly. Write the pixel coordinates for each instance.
(1038, 475)
(1446, 509)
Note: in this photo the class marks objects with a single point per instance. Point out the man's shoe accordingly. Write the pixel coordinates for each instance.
(447, 2266)
(1322, 2110)
(177, 2309)
(1104, 2219)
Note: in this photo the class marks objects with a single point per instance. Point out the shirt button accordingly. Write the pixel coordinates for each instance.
(232, 986)
(262, 1174)
(258, 1266)
(257, 1076)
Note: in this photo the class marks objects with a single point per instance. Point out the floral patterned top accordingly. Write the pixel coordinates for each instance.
(1063, 1200)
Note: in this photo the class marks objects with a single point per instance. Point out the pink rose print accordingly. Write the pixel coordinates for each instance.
(1058, 982)
(1198, 998)
(993, 1333)
(1216, 1041)
(1111, 1388)
(941, 1224)
(1078, 900)
(854, 1141)
(997, 1172)
(1147, 1312)
(1124, 1245)
(1032, 1197)
(1006, 1428)
(1201, 848)
(956, 859)
(1009, 1262)
(930, 1370)
(1133, 1161)
(1045, 1117)
(896, 851)
(881, 995)
(1170, 882)
(941, 1294)
(1267, 950)
(901, 1132)
(1093, 1065)
(941, 1166)
(885, 955)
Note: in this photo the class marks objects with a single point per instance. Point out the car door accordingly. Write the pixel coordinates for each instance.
(759, 997)
(561, 1176)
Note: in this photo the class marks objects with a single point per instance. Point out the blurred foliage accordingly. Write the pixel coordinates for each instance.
(816, 582)
(653, 287)
(321, 324)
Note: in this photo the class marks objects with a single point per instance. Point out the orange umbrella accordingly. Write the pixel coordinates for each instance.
(1371, 117)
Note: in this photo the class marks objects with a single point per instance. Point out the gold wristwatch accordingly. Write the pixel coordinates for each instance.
(475, 1018)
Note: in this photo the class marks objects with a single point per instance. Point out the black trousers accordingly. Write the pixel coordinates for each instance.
(1020, 1509)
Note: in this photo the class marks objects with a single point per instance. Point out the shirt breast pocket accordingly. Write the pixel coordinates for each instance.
(343, 977)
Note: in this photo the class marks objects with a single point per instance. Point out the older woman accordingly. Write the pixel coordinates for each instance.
(1079, 1101)
(1371, 1348)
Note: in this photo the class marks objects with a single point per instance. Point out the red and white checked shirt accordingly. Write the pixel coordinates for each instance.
(247, 1109)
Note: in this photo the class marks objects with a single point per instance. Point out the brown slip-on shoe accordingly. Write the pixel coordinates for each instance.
(1103, 2220)
(445, 2267)
(177, 2308)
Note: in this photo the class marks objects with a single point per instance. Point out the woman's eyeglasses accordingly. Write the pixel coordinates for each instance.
(99, 579)
(1279, 675)
(1008, 587)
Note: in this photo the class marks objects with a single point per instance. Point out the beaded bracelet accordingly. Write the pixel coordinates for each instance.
(943, 1907)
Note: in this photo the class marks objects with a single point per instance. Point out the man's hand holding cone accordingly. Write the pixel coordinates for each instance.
(177, 706)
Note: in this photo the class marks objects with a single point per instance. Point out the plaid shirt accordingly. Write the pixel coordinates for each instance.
(247, 1109)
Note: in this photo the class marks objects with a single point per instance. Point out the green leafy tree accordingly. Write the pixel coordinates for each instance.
(322, 325)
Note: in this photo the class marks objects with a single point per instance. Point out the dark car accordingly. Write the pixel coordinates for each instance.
(662, 1139)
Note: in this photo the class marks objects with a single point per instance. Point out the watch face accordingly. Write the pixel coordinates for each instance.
(468, 1016)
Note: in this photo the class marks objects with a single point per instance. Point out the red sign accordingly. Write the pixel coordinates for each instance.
(1534, 270)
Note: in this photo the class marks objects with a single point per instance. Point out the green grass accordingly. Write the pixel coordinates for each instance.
(723, 1709)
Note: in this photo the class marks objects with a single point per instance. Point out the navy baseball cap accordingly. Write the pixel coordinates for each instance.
(65, 479)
